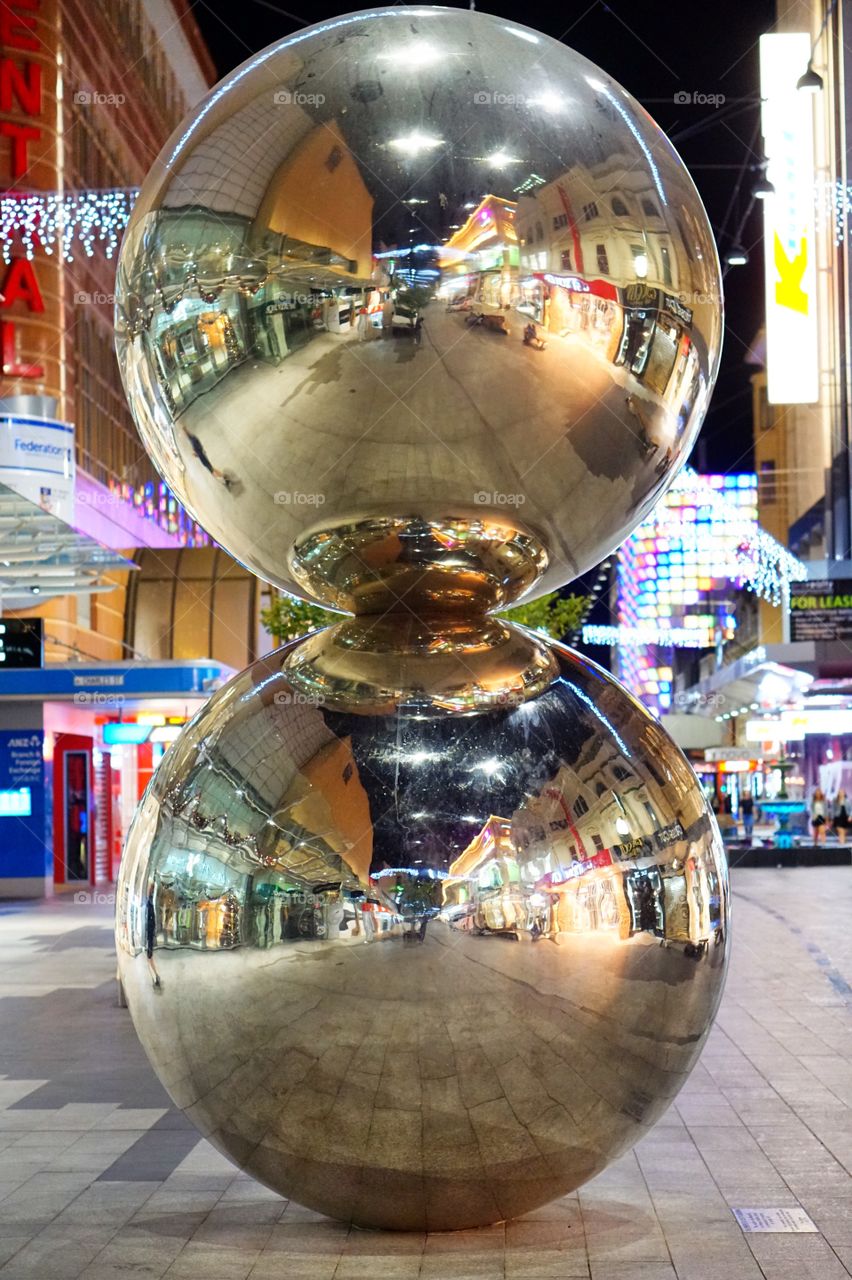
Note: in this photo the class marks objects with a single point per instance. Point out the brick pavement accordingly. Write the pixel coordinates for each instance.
(101, 1178)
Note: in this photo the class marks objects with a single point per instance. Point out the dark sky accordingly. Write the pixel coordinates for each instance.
(655, 50)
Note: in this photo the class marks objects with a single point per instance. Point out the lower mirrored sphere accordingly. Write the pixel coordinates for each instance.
(423, 963)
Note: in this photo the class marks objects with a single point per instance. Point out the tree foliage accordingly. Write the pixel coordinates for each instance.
(287, 618)
(557, 616)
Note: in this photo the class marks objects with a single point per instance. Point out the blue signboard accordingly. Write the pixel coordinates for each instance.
(131, 679)
(23, 851)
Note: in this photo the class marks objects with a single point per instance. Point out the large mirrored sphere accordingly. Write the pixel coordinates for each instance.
(418, 303)
(432, 967)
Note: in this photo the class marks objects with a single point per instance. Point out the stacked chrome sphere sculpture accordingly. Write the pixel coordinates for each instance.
(423, 919)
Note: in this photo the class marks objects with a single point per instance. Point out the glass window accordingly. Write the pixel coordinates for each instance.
(768, 490)
(665, 258)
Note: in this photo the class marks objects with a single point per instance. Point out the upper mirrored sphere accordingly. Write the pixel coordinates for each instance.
(419, 305)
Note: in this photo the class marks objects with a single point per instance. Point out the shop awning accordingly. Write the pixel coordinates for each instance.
(779, 672)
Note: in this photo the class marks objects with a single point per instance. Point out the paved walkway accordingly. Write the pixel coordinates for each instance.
(101, 1178)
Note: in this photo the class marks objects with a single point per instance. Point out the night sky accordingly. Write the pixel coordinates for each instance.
(655, 50)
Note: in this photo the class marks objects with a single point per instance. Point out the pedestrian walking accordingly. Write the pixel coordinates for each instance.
(747, 811)
(818, 815)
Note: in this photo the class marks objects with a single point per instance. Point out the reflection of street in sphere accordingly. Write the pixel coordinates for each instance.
(419, 314)
(391, 1048)
(254, 319)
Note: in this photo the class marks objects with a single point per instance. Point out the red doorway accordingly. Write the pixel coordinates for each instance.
(73, 811)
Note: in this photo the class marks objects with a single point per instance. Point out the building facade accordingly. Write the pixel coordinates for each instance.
(88, 95)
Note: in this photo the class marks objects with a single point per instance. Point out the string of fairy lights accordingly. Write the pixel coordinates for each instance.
(64, 222)
(82, 221)
(86, 219)
(761, 563)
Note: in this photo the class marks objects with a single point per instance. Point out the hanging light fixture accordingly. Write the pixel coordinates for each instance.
(736, 256)
(811, 81)
(763, 187)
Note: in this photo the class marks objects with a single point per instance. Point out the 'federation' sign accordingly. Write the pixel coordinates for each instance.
(792, 358)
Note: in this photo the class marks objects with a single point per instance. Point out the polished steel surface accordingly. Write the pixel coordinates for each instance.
(364, 443)
(418, 957)
(423, 919)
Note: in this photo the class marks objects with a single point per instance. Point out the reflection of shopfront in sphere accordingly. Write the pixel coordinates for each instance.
(587, 307)
(644, 890)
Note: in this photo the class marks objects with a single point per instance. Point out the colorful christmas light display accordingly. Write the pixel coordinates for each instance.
(702, 538)
(59, 222)
(156, 502)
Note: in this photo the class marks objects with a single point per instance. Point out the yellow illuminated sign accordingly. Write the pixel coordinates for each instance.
(792, 354)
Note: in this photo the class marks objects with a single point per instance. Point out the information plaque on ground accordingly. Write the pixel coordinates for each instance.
(789, 1218)
(821, 610)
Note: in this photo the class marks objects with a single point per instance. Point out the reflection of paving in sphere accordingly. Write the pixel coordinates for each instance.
(427, 969)
(294, 395)
(423, 920)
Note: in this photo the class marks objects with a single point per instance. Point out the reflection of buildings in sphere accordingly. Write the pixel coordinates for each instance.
(432, 856)
(246, 300)
(484, 1052)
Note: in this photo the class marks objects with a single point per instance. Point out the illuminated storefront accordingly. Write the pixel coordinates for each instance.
(78, 745)
(481, 258)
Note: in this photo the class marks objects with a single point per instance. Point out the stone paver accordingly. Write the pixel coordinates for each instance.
(100, 1178)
